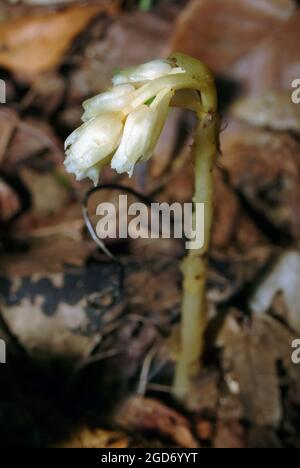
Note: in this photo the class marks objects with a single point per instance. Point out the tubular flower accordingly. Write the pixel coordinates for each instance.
(122, 125)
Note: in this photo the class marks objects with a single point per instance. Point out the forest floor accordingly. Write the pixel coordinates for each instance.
(90, 358)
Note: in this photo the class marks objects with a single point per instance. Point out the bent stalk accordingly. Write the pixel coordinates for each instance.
(194, 267)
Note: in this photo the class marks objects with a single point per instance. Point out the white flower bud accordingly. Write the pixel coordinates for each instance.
(147, 71)
(114, 100)
(142, 130)
(88, 148)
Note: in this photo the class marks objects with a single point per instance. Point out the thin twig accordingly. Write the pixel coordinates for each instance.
(141, 390)
(159, 388)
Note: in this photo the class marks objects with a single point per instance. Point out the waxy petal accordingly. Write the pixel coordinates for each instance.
(114, 100)
(92, 143)
(145, 72)
(142, 130)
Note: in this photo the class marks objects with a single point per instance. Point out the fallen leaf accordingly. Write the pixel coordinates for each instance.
(48, 194)
(36, 43)
(204, 393)
(284, 278)
(263, 437)
(146, 415)
(251, 352)
(204, 430)
(52, 314)
(97, 438)
(228, 214)
(45, 336)
(46, 93)
(8, 121)
(271, 110)
(31, 138)
(229, 435)
(264, 168)
(222, 32)
(154, 285)
(9, 202)
(274, 64)
(48, 255)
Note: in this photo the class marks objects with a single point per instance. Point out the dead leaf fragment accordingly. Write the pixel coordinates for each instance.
(47, 256)
(221, 32)
(8, 120)
(264, 167)
(274, 64)
(96, 438)
(147, 415)
(45, 336)
(283, 278)
(9, 202)
(47, 193)
(229, 435)
(36, 43)
(26, 138)
(250, 356)
(272, 110)
(52, 314)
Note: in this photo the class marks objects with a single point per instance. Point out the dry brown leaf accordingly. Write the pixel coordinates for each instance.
(204, 393)
(46, 93)
(251, 352)
(275, 64)
(52, 314)
(264, 167)
(43, 335)
(9, 202)
(147, 415)
(47, 256)
(283, 280)
(251, 372)
(263, 437)
(204, 429)
(31, 138)
(48, 194)
(229, 435)
(228, 215)
(97, 438)
(155, 286)
(221, 32)
(33, 44)
(8, 121)
(271, 110)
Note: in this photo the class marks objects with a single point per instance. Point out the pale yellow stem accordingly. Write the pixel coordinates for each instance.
(197, 92)
(194, 267)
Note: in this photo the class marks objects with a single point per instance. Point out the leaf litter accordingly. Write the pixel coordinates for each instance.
(105, 360)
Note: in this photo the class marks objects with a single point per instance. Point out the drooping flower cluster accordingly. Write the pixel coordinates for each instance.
(122, 125)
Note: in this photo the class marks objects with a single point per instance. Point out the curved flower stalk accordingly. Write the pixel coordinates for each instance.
(121, 128)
